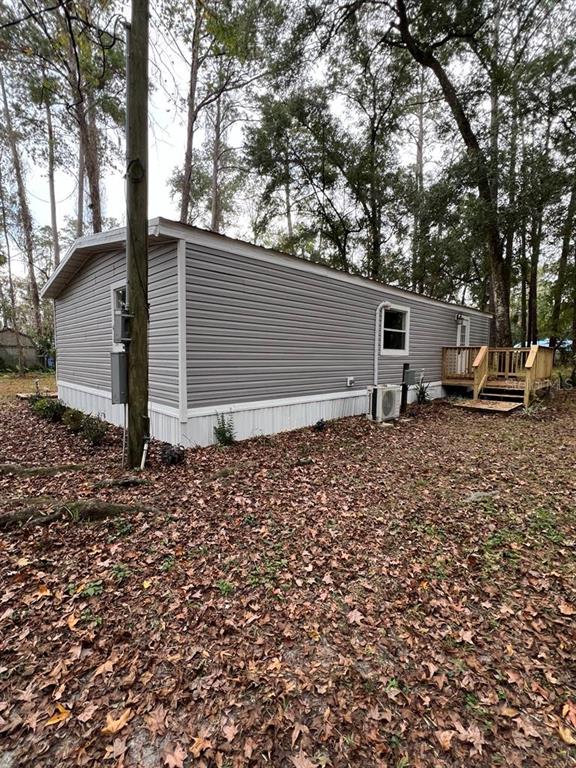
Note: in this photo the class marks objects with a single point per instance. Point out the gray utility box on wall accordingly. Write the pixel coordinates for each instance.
(412, 377)
(121, 326)
(119, 368)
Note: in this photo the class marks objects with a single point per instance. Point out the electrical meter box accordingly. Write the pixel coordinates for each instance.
(119, 368)
(121, 326)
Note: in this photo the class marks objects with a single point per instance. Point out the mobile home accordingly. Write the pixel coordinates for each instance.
(275, 341)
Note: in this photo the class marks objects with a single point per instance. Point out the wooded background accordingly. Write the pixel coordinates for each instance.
(426, 144)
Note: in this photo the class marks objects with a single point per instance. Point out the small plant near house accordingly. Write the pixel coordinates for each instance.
(49, 408)
(94, 430)
(122, 528)
(266, 574)
(168, 563)
(224, 430)
(224, 587)
(92, 588)
(120, 572)
(73, 419)
(543, 523)
(534, 410)
(89, 617)
(172, 454)
(422, 394)
(320, 426)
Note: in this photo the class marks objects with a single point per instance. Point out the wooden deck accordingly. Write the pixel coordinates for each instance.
(517, 373)
(489, 405)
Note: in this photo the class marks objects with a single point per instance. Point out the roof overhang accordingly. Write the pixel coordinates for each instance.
(165, 230)
(85, 247)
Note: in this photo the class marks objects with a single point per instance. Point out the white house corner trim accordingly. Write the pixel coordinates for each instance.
(182, 333)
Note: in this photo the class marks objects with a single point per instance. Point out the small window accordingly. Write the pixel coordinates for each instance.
(119, 298)
(118, 304)
(395, 330)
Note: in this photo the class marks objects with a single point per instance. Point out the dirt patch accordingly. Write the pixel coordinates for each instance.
(11, 384)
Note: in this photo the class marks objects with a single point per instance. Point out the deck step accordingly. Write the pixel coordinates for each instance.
(489, 405)
(506, 395)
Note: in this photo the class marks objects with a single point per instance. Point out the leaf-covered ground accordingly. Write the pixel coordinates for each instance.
(364, 596)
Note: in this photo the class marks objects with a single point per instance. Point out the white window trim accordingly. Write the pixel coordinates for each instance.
(466, 323)
(116, 347)
(395, 352)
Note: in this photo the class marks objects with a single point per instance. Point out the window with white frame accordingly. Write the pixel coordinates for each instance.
(119, 298)
(395, 334)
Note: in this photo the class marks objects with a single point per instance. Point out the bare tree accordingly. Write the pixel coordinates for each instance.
(24, 210)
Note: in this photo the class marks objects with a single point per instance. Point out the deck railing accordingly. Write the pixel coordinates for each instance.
(530, 367)
(508, 363)
(457, 362)
(481, 369)
(539, 365)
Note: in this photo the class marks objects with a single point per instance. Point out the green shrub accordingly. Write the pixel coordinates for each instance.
(224, 430)
(94, 429)
(422, 394)
(49, 408)
(73, 419)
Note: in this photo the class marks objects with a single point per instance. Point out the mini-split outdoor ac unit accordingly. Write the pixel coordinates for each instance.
(384, 402)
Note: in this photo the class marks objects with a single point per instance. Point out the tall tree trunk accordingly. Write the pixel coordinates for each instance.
(523, 286)
(85, 115)
(80, 208)
(495, 109)
(558, 289)
(419, 179)
(51, 186)
(535, 243)
(216, 151)
(511, 223)
(192, 114)
(288, 200)
(574, 312)
(536, 227)
(375, 266)
(5, 309)
(25, 216)
(92, 163)
(15, 325)
(500, 296)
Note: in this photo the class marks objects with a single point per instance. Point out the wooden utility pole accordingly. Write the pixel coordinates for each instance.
(137, 228)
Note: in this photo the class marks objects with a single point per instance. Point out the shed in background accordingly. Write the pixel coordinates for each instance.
(11, 342)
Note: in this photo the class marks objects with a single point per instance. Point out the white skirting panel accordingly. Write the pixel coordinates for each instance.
(267, 418)
(435, 390)
(249, 419)
(164, 421)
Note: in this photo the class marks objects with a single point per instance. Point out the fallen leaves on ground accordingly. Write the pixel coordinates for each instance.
(59, 716)
(404, 597)
(115, 724)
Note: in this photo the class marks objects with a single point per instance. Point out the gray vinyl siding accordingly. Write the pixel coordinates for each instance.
(258, 330)
(479, 330)
(83, 323)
